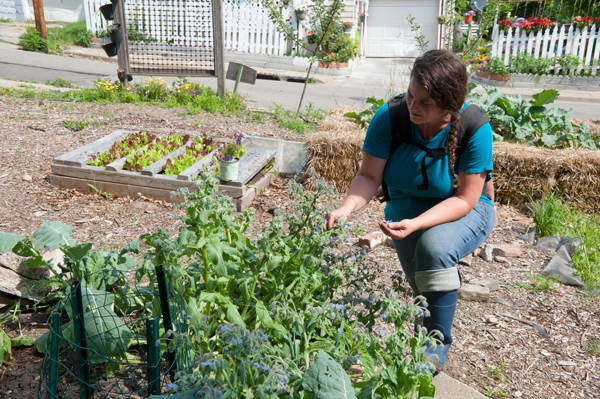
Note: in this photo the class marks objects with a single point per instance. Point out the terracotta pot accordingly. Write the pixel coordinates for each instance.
(335, 65)
(500, 78)
(482, 74)
(468, 19)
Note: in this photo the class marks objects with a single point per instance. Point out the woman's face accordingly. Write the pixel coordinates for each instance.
(422, 109)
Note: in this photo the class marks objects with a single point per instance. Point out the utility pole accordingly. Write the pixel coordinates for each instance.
(40, 23)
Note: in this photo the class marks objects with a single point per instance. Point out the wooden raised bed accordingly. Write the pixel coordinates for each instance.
(72, 170)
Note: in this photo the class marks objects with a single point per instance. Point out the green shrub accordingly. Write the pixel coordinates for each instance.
(31, 40)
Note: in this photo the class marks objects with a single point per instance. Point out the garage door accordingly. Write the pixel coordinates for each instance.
(388, 32)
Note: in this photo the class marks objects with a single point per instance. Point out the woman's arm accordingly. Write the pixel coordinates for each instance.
(363, 188)
(455, 207)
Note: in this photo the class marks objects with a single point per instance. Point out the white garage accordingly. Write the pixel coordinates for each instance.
(388, 32)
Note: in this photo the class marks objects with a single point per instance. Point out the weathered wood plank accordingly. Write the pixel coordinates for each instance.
(158, 166)
(170, 183)
(193, 170)
(82, 155)
(114, 189)
(251, 170)
(251, 193)
(117, 165)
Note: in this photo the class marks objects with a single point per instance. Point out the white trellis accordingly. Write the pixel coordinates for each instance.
(247, 27)
(549, 43)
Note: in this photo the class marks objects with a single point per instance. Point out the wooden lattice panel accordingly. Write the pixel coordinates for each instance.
(170, 37)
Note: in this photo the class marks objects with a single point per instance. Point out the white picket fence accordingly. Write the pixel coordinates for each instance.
(548, 43)
(247, 26)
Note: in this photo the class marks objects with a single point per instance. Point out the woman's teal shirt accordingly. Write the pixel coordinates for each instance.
(403, 169)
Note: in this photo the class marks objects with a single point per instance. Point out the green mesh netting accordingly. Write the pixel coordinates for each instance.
(115, 331)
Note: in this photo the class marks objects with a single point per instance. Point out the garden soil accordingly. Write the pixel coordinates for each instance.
(494, 352)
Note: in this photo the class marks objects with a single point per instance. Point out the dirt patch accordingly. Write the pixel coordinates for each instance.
(493, 353)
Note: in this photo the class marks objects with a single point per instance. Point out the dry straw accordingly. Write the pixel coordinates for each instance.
(335, 153)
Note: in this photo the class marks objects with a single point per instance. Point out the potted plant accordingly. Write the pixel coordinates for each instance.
(348, 26)
(441, 19)
(229, 158)
(469, 16)
(301, 13)
(362, 18)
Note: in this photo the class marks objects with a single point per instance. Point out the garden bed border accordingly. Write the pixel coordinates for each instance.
(521, 80)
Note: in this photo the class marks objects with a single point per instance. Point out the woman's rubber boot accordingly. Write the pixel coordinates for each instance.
(441, 306)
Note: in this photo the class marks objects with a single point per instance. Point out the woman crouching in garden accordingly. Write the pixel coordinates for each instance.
(433, 154)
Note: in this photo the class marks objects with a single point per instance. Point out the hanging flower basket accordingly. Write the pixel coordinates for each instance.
(362, 19)
(300, 15)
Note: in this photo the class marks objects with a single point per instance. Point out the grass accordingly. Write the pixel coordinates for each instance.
(59, 82)
(553, 216)
(301, 123)
(76, 125)
(5, 20)
(593, 347)
(58, 38)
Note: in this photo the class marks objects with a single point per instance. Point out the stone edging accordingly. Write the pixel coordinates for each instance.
(520, 80)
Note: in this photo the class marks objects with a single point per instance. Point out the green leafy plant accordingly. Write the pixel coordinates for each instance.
(541, 283)
(233, 150)
(123, 148)
(155, 150)
(300, 123)
(364, 117)
(76, 125)
(200, 147)
(420, 39)
(100, 191)
(59, 82)
(516, 120)
(32, 41)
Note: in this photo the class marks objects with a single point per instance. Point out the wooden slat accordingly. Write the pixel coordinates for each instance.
(249, 171)
(170, 183)
(115, 189)
(193, 170)
(246, 162)
(82, 155)
(242, 203)
(158, 166)
(117, 165)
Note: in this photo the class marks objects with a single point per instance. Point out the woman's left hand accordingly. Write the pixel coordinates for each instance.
(398, 230)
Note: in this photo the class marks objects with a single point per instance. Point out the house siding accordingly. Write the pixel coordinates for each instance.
(7, 9)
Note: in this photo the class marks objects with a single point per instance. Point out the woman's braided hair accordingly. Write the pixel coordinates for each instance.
(444, 76)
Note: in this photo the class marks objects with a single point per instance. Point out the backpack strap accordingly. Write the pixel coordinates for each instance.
(472, 119)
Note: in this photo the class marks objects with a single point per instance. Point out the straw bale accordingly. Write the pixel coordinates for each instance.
(579, 178)
(335, 150)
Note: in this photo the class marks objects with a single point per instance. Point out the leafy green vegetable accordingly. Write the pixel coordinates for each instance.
(364, 117)
(5, 347)
(52, 235)
(326, 379)
(8, 241)
(155, 151)
(123, 148)
(201, 146)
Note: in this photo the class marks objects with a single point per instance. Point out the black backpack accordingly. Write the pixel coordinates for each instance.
(470, 121)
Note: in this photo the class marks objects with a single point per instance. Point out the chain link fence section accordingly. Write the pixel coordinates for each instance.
(170, 37)
(112, 343)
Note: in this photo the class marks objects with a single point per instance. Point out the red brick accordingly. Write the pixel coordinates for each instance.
(371, 240)
(507, 251)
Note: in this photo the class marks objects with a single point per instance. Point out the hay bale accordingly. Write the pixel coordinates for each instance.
(520, 170)
(334, 151)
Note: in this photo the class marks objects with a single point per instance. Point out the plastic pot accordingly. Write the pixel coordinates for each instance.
(468, 19)
(115, 33)
(107, 12)
(229, 170)
(301, 16)
(110, 49)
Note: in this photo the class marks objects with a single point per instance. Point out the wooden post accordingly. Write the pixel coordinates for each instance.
(123, 47)
(218, 46)
(40, 23)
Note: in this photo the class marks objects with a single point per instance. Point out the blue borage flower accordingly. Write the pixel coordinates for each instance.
(169, 214)
(355, 359)
(172, 386)
(337, 307)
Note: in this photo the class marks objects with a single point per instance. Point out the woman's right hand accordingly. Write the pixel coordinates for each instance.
(334, 216)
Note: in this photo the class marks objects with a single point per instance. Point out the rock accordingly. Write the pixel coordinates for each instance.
(14, 283)
(500, 259)
(94, 219)
(490, 284)
(563, 363)
(17, 265)
(56, 259)
(506, 250)
(472, 292)
(271, 207)
(467, 260)
(27, 178)
(140, 204)
(561, 268)
(371, 240)
(389, 242)
(554, 243)
(547, 243)
(486, 253)
(528, 236)
(490, 319)
(39, 213)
